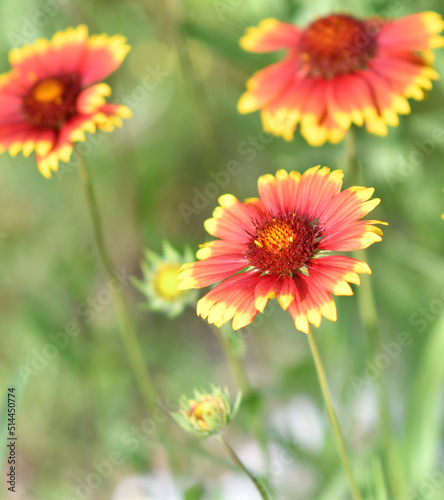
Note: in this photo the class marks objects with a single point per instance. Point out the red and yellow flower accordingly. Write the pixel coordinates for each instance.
(341, 70)
(51, 96)
(279, 245)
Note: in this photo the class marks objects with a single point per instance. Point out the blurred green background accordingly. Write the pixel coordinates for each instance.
(77, 407)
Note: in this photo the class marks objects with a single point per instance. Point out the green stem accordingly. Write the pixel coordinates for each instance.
(259, 485)
(236, 364)
(369, 317)
(332, 416)
(175, 19)
(351, 159)
(127, 330)
(241, 379)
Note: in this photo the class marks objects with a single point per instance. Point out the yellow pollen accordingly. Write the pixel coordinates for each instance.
(166, 282)
(203, 409)
(49, 91)
(283, 244)
(276, 237)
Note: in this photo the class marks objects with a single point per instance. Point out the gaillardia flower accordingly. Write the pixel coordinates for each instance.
(340, 70)
(279, 245)
(51, 97)
(160, 280)
(208, 413)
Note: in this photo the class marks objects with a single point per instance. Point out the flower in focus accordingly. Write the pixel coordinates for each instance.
(160, 280)
(208, 413)
(51, 97)
(340, 70)
(278, 246)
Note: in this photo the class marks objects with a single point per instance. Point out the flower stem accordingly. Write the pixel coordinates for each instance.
(332, 416)
(243, 385)
(259, 485)
(236, 364)
(369, 318)
(173, 12)
(351, 159)
(127, 330)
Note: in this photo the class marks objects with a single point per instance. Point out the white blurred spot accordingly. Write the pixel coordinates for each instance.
(301, 422)
(157, 485)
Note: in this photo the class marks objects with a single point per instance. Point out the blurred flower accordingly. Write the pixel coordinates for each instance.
(277, 246)
(208, 413)
(48, 100)
(340, 70)
(160, 280)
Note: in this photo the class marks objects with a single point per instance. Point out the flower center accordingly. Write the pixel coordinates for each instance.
(338, 44)
(166, 281)
(52, 102)
(207, 410)
(202, 410)
(283, 244)
(50, 90)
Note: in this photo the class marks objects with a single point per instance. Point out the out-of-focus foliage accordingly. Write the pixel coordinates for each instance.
(81, 425)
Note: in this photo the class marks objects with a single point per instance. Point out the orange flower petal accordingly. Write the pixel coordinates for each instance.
(275, 248)
(266, 85)
(317, 188)
(279, 193)
(267, 288)
(45, 102)
(232, 219)
(207, 272)
(105, 54)
(232, 299)
(413, 33)
(317, 87)
(269, 36)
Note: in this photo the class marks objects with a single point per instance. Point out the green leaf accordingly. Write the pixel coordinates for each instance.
(379, 484)
(195, 492)
(422, 439)
(336, 488)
